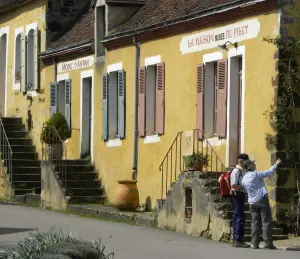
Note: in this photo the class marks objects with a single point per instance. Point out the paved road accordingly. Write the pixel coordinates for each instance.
(128, 242)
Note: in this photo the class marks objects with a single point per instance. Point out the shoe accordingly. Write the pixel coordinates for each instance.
(240, 244)
(271, 247)
(255, 247)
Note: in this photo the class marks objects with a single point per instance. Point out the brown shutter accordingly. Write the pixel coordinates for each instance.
(160, 99)
(142, 91)
(221, 98)
(200, 94)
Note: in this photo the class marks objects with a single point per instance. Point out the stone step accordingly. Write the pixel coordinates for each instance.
(14, 127)
(275, 237)
(83, 184)
(23, 148)
(26, 184)
(21, 191)
(26, 170)
(16, 134)
(37, 190)
(25, 155)
(248, 223)
(26, 163)
(80, 192)
(86, 199)
(276, 231)
(75, 162)
(20, 141)
(11, 120)
(80, 176)
(26, 177)
(77, 168)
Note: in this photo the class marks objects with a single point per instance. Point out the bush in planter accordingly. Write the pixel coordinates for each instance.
(59, 122)
(196, 161)
(56, 245)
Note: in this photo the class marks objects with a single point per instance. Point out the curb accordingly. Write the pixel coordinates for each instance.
(135, 218)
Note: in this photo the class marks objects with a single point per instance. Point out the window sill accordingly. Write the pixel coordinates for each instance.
(31, 93)
(152, 139)
(114, 143)
(216, 141)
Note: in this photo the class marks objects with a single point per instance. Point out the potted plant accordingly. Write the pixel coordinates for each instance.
(196, 161)
(54, 133)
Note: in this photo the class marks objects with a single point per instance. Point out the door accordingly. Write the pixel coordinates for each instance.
(240, 89)
(86, 119)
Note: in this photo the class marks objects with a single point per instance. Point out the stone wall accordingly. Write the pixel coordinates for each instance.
(5, 186)
(206, 218)
(52, 195)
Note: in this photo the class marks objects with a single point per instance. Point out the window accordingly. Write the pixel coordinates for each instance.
(18, 59)
(113, 105)
(212, 98)
(151, 100)
(27, 57)
(60, 99)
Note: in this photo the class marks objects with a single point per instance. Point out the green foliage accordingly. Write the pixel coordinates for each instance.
(196, 161)
(59, 122)
(56, 245)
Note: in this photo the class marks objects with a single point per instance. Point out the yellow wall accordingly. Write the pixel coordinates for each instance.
(115, 163)
(17, 103)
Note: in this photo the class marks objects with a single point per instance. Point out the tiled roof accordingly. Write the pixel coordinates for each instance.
(159, 11)
(82, 31)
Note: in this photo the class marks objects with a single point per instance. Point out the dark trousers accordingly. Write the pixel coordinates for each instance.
(261, 219)
(238, 202)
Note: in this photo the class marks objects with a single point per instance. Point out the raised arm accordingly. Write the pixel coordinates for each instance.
(267, 173)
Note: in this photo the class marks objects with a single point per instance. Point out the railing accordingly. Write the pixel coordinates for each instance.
(186, 143)
(54, 153)
(6, 152)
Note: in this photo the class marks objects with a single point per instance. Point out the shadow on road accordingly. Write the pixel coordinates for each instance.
(6, 231)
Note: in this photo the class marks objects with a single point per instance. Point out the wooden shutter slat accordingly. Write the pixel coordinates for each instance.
(105, 107)
(221, 98)
(23, 63)
(200, 103)
(53, 98)
(142, 97)
(68, 101)
(121, 103)
(160, 99)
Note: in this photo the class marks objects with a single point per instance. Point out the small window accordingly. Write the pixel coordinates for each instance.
(188, 203)
(113, 105)
(150, 100)
(30, 59)
(18, 59)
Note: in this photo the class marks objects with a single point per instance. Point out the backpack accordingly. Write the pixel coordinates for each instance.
(225, 186)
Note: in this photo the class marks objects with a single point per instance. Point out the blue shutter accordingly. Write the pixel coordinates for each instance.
(53, 98)
(105, 107)
(23, 63)
(68, 101)
(121, 103)
(36, 60)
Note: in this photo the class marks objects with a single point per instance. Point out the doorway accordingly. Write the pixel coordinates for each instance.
(86, 120)
(3, 71)
(235, 109)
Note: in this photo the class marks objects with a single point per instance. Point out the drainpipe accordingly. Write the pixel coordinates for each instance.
(136, 110)
(55, 69)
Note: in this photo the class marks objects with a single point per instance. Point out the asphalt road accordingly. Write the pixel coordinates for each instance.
(127, 241)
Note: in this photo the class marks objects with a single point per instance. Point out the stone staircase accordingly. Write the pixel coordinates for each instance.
(26, 168)
(81, 184)
(226, 210)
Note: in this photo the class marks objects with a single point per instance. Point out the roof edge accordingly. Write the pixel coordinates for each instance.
(13, 5)
(204, 13)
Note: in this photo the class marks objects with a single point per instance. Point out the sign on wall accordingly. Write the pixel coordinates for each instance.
(75, 64)
(211, 39)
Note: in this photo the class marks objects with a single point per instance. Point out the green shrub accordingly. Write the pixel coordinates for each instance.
(55, 245)
(196, 161)
(59, 122)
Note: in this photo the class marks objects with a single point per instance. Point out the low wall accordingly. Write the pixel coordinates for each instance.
(206, 218)
(5, 185)
(52, 196)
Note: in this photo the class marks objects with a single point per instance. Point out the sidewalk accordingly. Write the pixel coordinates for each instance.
(291, 244)
(109, 213)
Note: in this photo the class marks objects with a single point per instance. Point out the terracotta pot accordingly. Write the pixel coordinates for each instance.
(126, 195)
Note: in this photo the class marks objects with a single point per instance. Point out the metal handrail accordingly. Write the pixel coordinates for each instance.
(172, 162)
(55, 152)
(6, 150)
